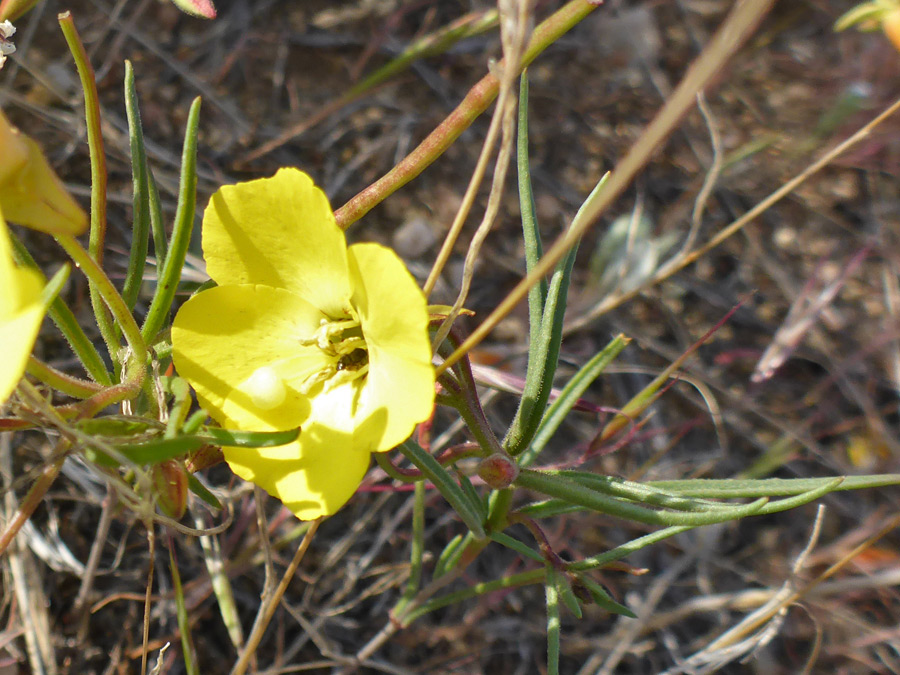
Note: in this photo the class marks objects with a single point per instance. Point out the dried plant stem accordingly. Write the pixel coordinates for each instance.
(476, 102)
(396, 623)
(515, 30)
(271, 602)
(34, 497)
(683, 261)
(736, 28)
(80, 609)
(148, 594)
(759, 618)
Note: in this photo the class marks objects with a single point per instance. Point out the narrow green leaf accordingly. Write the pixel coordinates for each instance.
(799, 500)
(153, 452)
(157, 223)
(568, 596)
(170, 273)
(640, 492)
(553, 623)
(554, 485)
(248, 439)
(517, 546)
(733, 488)
(140, 230)
(549, 508)
(97, 237)
(51, 290)
(199, 489)
(530, 230)
(117, 425)
(181, 406)
(184, 623)
(570, 394)
(443, 481)
(603, 599)
(543, 357)
(449, 556)
(417, 549)
(468, 25)
(860, 15)
(474, 498)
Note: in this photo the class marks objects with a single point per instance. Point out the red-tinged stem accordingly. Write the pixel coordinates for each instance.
(476, 102)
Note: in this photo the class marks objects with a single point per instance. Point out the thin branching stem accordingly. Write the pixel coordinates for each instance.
(736, 28)
(476, 102)
(271, 603)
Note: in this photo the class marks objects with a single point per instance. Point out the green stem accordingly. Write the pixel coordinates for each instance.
(476, 102)
(126, 390)
(404, 476)
(98, 177)
(71, 386)
(110, 296)
(417, 549)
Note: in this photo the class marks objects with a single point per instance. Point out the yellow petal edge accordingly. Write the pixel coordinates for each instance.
(21, 312)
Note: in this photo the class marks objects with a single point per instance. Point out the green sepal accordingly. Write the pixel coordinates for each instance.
(567, 595)
(602, 599)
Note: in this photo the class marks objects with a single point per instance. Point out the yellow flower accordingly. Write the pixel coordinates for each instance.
(303, 331)
(21, 312)
(30, 192)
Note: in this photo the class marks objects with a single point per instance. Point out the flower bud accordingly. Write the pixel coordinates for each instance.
(170, 483)
(498, 471)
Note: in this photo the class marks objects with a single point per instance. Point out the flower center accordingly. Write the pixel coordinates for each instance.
(343, 345)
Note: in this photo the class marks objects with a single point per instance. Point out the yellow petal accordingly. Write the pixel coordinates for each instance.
(392, 310)
(222, 336)
(12, 149)
(278, 232)
(31, 194)
(21, 312)
(318, 473)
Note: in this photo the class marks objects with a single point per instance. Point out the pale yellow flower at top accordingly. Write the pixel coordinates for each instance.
(21, 312)
(31, 194)
(303, 331)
